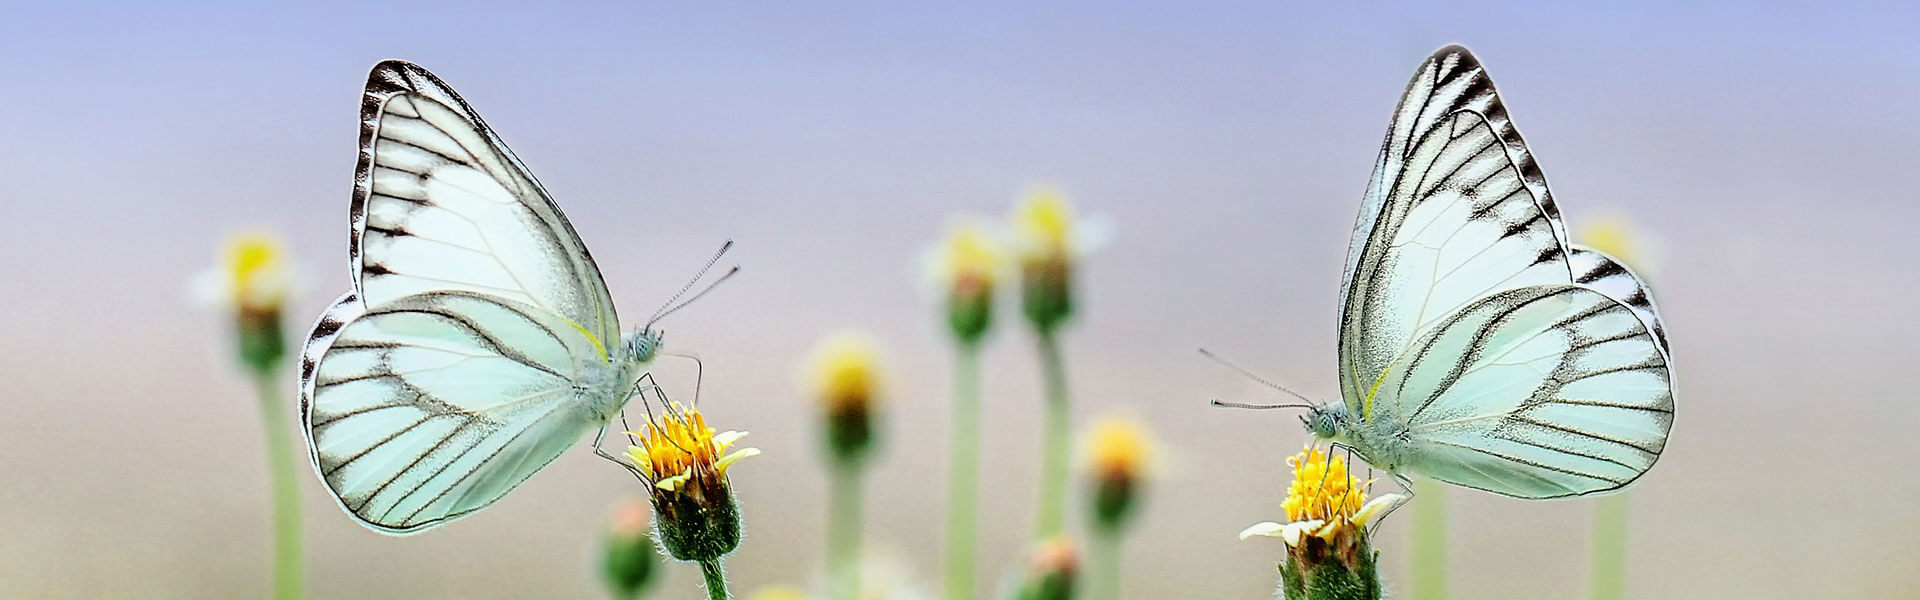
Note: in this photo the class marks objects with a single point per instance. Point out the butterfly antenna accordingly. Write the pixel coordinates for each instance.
(703, 292)
(668, 306)
(1262, 380)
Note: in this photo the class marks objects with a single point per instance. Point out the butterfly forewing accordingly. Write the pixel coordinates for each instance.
(1459, 224)
(442, 204)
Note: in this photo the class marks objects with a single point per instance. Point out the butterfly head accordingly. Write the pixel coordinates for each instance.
(643, 344)
(1325, 421)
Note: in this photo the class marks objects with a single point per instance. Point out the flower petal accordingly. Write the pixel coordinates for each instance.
(673, 483)
(735, 456)
(727, 438)
(1266, 528)
(1291, 533)
(1376, 506)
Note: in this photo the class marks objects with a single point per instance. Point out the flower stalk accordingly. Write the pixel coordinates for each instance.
(1429, 575)
(846, 381)
(715, 576)
(289, 566)
(968, 267)
(252, 281)
(963, 483)
(1609, 577)
(1059, 429)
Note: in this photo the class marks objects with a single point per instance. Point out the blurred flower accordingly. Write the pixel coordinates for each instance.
(1049, 243)
(686, 462)
(1119, 452)
(631, 560)
(251, 281)
(778, 592)
(1619, 237)
(846, 379)
(967, 266)
(1051, 571)
(1328, 554)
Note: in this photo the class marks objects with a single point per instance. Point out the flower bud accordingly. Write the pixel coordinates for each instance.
(1043, 229)
(631, 560)
(1051, 571)
(846, 380)
(685, 462)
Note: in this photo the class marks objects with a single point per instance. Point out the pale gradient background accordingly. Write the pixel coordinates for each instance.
(1767, 149)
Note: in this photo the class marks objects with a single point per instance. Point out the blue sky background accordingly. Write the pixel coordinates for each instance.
(1765, 150)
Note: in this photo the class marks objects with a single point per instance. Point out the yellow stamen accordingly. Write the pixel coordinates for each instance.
(1322, 489)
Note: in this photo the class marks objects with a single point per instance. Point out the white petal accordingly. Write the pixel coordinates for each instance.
(1266, 528)
(727, 438)
(1291, 534)
(1376, 506)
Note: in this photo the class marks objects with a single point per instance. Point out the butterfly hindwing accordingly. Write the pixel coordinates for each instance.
(1610, 276)
(441, 204)
(1535, 392)
(431, 406)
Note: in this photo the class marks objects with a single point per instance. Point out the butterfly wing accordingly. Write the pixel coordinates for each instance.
(1610, 276)
(441, 204)
(429, 407)
(1456, 210)
(1537, 392)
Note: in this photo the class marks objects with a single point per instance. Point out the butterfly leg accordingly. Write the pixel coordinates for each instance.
(1405, 486)
(699, 373)
(602, 453)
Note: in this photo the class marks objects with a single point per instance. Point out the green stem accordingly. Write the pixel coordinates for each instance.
(1053, 479)
(1610, 548)
(963, 484)
(1103, 560)
(843, 533)
(1429, 540)
(716, 579)
(288, 564)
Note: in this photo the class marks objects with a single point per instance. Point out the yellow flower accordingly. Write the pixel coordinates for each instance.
(1043, 224)
(254, 266)
(1119, 453)
(1327, 512)
(251, 280)
(1612, 235)
(846, 374)
(969, 259)
(1049, 241)
(966, 266)
(678, 448)
(686, 462)
(846, 379)
(1119, 448)
(778, 592)
(1323, 501)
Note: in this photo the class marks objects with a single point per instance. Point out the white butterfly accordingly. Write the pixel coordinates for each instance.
(1478, 345)
(479, 340)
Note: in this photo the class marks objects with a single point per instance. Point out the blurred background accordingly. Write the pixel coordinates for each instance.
(1763, 153)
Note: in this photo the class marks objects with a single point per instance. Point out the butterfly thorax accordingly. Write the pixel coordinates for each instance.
(1333, 422)
(609, 390)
